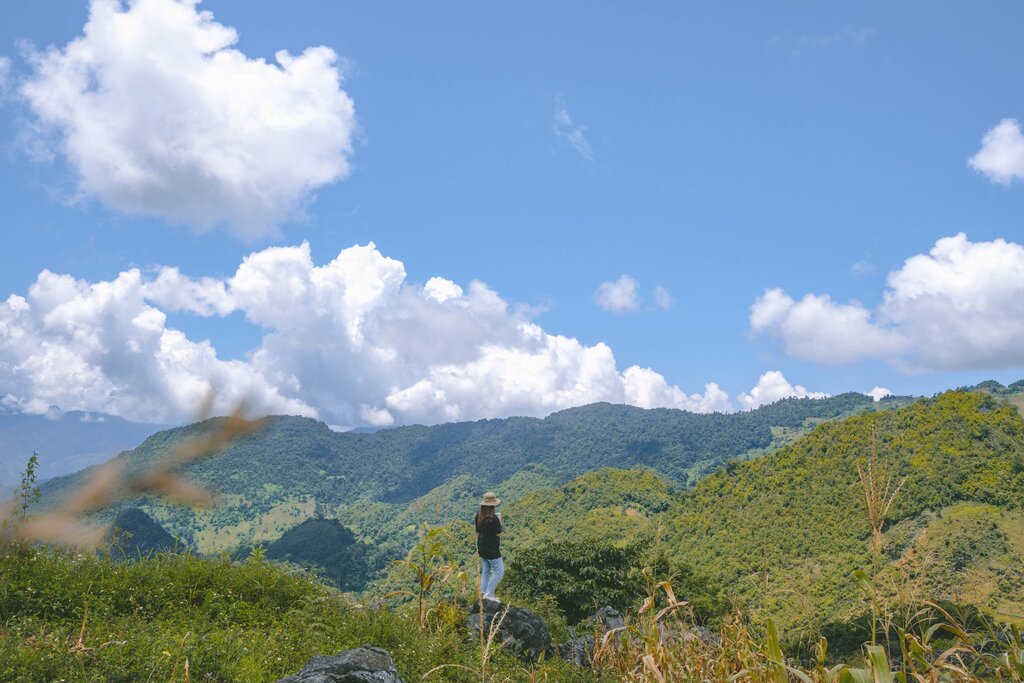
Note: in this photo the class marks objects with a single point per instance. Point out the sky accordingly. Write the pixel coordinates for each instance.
(377, 213)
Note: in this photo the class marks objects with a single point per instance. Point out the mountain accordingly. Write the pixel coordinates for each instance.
(383, 484)
(135, 534)
(327, 545)
(65, 442)
(786, 531)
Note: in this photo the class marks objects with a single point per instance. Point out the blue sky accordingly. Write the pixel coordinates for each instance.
(717, 151)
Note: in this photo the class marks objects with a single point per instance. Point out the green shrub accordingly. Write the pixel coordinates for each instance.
(583, 576)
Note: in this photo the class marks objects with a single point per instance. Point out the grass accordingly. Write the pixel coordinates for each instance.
(86, 617)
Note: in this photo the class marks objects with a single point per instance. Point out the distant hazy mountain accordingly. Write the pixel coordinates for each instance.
(65, 442)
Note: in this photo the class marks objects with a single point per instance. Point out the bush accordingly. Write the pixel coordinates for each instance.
(583, 576)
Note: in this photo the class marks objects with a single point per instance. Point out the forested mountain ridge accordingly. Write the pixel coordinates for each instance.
(786, 531)
(385, 482)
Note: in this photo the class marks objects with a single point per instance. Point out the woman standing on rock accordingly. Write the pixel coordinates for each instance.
(488, 545)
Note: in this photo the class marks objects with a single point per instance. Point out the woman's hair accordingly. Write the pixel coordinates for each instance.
(485, 515)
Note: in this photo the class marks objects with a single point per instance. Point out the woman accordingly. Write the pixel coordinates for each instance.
(488, 527)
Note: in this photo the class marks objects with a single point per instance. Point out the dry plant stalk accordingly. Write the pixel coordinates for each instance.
(879, 495)
(486, 647)
(109, 484)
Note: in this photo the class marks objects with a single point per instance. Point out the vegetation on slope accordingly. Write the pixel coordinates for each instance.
(134, 534)
(326, 545)
(607, 505)
(786, 531)
(87, 618)
(382, 485)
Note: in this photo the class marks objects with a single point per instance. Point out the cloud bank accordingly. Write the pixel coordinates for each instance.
(352, 342)
(159, 114)
(958, 307)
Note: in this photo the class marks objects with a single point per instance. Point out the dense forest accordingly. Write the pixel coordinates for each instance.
(787, 531)
(383, 484)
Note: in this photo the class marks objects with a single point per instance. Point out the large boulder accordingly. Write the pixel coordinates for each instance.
(519, 629)
(366, 664)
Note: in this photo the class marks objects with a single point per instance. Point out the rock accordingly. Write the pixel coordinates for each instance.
(610, 618)
(520, 630)
(366, 664)
(703, 635)
(577, 651)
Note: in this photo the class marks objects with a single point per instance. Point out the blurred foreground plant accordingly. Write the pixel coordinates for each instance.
(109, 484)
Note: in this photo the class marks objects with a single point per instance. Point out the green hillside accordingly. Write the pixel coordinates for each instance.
(134, 534)
(383, 484)
(326, 545)
(607, 505)
(786, 531)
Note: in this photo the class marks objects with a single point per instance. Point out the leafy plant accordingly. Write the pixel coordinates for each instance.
(432, 567)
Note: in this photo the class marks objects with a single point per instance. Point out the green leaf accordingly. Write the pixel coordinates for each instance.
(879, 663)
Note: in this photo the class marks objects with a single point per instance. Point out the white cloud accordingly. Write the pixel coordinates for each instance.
(773, 386)
(648, 389)
(800, 44)
(351, 342)
(878, 393)
(5, 75)
(862, 267)
(566, 129)
(820, 330)
(619, 296)
(1001, 157)
(961, 306)
(159, 114)
(102, 347)
(663, 297)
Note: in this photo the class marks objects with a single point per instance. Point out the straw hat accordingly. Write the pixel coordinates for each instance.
(490, 499)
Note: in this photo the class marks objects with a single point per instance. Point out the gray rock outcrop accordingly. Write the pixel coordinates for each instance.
(579, 650)
(519, 629)
(366, 664)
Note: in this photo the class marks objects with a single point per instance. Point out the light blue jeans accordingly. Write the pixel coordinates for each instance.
(491, 572)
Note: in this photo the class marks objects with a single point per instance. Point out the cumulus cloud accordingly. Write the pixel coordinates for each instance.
(648, 389)
(773, 386)
(1001, 157)
(958, 307)
(159, 114)
(573, 134)
(350, 341)
(619, 296)
(818, 329)
(102, 347)
(878, 393)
